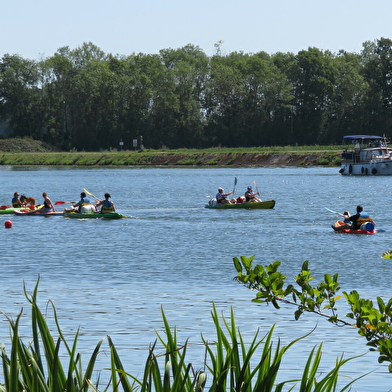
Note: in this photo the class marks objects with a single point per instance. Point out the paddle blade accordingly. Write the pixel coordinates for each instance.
(333, 212)
(89, 193)
(61, 202)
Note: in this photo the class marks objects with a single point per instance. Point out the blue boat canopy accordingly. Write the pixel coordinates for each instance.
(362, 137)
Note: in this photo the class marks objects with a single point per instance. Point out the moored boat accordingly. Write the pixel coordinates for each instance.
(25, 212)
(267, 204)
(366, 228)
(109, 215)
(366, 155)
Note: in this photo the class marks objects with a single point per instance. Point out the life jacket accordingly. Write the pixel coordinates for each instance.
(363, 218)
(16, 202)
(107, 207)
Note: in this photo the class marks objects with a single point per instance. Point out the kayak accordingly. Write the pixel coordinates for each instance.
(387, 254)
(25, 212)
(10, 210)
(109, 215)
(366, 228)
(250, 206)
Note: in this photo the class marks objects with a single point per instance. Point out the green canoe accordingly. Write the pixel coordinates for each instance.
(250, 206)
(77, 215)
(10, 210)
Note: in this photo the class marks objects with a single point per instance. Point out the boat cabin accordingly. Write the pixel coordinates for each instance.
(365, 148)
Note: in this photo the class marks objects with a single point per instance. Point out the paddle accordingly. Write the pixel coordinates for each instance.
(235, 183)
(333, 212)
(255, 184)
(89, 193)
(62, 202)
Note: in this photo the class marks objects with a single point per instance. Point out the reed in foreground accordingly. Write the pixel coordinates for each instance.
(230, 365)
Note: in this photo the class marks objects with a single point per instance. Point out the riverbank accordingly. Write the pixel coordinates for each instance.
(205, 157)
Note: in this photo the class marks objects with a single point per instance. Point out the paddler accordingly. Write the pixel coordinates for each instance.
(48, 206)
(80, 206)
(354, 222)
(221, 197)
(16, 201)
(250, 196)
(107, 205)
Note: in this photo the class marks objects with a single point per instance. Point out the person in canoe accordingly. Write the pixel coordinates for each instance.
(47, 205)
(16, 201)
(107, 205)
(83, 205)
(250, 196)
(221, 198)
(354, 222)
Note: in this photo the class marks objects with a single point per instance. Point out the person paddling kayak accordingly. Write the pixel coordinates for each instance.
(221, 197)
(250, 196)
(16, 201)
(354, 222)
(107, 205)
(82, 206)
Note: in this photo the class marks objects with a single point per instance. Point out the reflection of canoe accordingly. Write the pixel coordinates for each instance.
(10, 210)
(254, 205)
(25, 212)
(110, 215)
(357, 231)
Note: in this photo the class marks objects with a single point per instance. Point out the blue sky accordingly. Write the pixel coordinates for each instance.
(36, 29)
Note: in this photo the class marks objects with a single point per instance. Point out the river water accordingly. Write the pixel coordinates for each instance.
(113, 277)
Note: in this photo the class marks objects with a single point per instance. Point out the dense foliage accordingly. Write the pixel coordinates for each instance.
(88, 100)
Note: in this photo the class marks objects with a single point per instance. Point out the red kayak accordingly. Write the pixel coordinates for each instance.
(366, 228)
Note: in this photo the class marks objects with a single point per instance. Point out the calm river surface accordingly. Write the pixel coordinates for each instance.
(113, 277)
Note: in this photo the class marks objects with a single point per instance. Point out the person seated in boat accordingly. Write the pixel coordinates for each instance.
(107, 205)
(221, 198)
(346, 217)
(354, 221)
(250, 197)
(16, 201)
(83, 205)
(47, 204)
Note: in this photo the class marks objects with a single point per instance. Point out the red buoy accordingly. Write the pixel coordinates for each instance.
(8, 224)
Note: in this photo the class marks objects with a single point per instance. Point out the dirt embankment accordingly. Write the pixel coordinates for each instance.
(245, 159)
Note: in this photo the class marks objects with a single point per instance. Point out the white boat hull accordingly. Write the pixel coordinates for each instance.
(367, 169)
(366, 155)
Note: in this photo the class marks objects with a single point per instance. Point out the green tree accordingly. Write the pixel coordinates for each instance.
(314, 90)
(188, 68)
(21, 101)
(377, 69)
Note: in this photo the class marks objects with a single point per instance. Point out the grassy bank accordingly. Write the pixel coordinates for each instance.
(261, 156)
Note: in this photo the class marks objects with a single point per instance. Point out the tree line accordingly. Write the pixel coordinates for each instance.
(87, 100)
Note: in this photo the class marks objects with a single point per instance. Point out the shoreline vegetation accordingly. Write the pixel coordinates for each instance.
(14, 152)
(51, 363)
